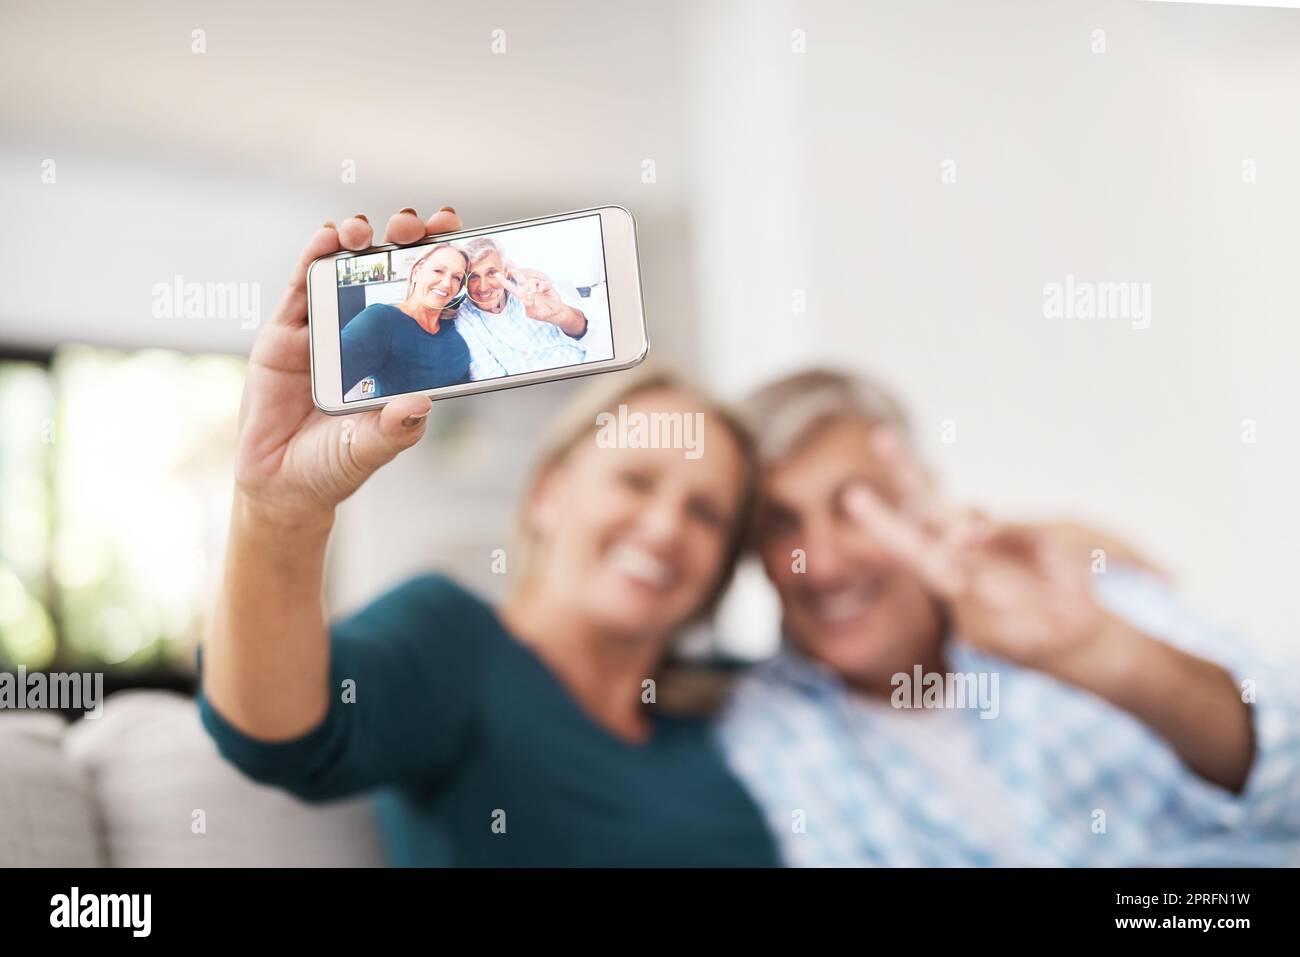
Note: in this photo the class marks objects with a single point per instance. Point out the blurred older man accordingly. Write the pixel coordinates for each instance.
(954, 690)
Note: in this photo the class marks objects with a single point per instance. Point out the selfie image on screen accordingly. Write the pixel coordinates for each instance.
(521, 299)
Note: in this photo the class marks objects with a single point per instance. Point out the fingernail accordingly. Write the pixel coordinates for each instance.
(329, 224)
(362, 217)
(446, 209)
(408, 209)
(413, 420)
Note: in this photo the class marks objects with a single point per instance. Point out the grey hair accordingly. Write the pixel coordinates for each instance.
(786, 413)
(480, 246)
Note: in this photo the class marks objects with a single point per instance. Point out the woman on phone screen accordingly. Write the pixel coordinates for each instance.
(411, 346)
(521, 734)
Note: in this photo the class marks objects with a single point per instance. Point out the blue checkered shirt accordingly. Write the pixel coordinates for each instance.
(1076, 781)
(508, 342)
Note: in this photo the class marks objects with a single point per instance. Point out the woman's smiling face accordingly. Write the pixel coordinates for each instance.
(636, 539)
(439, 278)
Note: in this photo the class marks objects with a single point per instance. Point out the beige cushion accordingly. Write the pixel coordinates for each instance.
(153, 769)
(47, 814)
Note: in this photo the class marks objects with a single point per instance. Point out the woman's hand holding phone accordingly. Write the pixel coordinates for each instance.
(266, 657)
(294, 464)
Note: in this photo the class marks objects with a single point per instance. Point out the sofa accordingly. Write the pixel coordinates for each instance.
(144, 786)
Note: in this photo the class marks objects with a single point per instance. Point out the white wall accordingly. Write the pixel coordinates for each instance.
(822, 172)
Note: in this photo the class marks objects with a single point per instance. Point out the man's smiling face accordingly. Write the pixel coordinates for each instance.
(486, 282)
(849, 604)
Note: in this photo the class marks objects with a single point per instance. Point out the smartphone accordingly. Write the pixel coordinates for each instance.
(477, 310)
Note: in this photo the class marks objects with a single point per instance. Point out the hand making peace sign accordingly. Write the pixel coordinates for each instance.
(1012, 590)
(540, 298)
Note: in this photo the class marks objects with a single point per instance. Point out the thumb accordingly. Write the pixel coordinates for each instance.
(395, 428)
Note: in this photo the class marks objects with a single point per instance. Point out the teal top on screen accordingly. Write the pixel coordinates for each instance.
(483, 758)
(384, 344)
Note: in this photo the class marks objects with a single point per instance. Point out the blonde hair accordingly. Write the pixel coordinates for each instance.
(576, 423)
(415, 266)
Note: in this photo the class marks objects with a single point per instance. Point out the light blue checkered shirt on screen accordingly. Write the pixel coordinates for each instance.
(840, 787)
(508, 342)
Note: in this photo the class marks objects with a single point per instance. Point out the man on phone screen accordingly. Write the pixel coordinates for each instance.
(514, 319)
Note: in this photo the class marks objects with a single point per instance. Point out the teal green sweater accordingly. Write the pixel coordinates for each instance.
(483, 758)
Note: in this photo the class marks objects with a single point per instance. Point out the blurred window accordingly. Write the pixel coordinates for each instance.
(115, 482)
